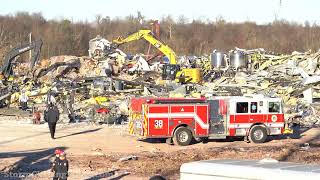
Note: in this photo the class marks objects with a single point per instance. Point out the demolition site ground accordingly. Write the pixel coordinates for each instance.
(108, 152)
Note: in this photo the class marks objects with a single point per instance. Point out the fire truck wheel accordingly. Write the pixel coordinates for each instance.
(182, 136)
(258, 134)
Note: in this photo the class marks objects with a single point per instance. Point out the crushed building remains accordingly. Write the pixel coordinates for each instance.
(98, 87)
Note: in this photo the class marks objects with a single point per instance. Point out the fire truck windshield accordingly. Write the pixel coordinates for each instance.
(242, 107)
(274, 107)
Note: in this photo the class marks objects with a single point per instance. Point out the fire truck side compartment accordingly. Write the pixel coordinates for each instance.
(216, 119)
(164, 119)
(158, 120)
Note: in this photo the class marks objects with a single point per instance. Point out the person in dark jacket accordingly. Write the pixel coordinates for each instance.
(61, 168)
(52, 116)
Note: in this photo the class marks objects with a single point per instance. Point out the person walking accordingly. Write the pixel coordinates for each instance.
(61, 168)
(52, 116)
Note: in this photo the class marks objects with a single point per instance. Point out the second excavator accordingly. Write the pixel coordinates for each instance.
(6, 69)
(171, 71)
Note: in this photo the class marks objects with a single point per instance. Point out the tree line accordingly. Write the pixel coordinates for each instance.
(195, 37)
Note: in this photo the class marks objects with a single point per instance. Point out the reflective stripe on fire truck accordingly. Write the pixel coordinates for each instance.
(145, 120)
(248, 125)
(180, 115)
(131, 123)
(134, 117)
(131, 127)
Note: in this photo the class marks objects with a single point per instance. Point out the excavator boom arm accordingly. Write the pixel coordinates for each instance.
(132, 37)
(147, 35)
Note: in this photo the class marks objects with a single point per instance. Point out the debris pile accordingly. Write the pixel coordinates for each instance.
(295, 78)
(97, 88)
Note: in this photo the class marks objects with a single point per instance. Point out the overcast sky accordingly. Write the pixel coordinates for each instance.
(261, 11)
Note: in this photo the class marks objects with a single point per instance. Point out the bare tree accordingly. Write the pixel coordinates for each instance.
(184, 36)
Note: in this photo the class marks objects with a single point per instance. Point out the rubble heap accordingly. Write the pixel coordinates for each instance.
(98, 87)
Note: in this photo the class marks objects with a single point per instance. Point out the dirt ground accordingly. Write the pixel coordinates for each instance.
(94, 151)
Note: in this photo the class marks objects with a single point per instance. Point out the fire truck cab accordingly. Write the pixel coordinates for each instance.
(218, 118)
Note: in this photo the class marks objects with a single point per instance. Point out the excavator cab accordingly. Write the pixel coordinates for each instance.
(169, 71)
(174, 72)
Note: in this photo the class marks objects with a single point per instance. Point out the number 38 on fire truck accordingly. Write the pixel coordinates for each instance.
(182, 120)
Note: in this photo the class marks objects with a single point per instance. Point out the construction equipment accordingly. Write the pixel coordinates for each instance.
(9, 59)
(7, 88)
(170, 71)
(218, 118)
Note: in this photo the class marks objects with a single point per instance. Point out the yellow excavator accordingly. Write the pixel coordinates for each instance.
(170, 71)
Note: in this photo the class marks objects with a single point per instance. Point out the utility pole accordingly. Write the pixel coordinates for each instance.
(170, 30)
(155, 29)
(30, 41)
(277, 13)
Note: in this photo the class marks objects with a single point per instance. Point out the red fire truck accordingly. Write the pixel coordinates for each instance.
(181, 120)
